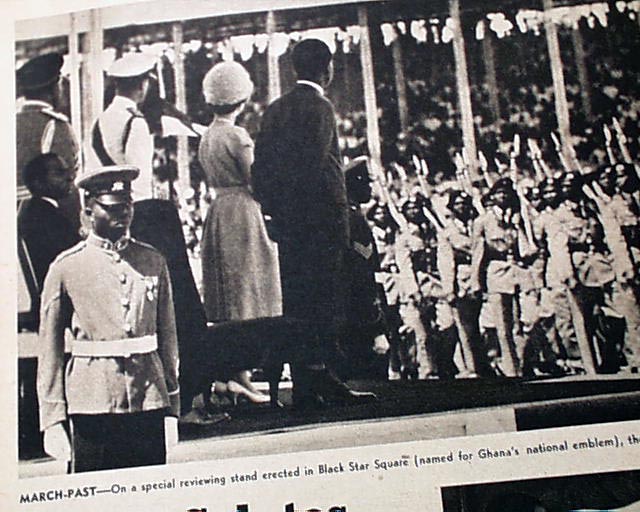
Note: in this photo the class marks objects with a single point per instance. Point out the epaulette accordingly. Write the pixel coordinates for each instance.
(134, 112)
(72, 250)
(56, 115)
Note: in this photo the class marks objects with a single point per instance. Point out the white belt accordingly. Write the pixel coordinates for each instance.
(115, 348)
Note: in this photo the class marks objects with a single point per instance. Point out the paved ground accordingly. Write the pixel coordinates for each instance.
(406, 411)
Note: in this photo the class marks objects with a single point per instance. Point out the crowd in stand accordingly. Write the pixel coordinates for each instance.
(426, 305)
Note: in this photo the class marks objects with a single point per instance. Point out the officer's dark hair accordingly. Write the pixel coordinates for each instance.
(311, 59)
(35, 171)
(223, 110)
(130, 84)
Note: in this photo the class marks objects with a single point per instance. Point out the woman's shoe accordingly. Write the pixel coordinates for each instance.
(236, 390)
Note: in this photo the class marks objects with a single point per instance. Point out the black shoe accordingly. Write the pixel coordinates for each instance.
(333, 390)
(201, 417)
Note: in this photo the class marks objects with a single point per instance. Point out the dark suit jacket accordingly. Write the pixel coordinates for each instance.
(46, 233)
(298, 179)
(297, 175)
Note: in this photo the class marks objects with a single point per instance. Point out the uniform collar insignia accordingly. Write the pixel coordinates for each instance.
(108, 245)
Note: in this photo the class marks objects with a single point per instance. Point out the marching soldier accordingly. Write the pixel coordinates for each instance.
(454, 262)
(552, 275)
(411, 257)
(620, 306)
(41, 129)
(115, 295)
(384, 232)
(591, 265)
(499, 248)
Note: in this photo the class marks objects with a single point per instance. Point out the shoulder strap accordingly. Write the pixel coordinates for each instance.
(46, 140)
(98, 146)
(127, 127)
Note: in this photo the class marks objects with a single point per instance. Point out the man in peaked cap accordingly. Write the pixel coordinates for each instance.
(121, 380)
(364, 339)
(121, 134)
(297, 177)
(40, 128)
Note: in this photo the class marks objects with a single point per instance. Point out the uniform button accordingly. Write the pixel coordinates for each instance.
(116, 258)
(128, 329)
(125, 301)
(123, 278)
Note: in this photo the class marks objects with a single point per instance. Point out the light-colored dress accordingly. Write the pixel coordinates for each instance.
(240, 273)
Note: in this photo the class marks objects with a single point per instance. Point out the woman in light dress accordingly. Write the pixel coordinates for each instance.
(240, 273)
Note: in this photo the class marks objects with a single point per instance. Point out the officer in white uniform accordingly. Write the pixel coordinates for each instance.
(120, 135)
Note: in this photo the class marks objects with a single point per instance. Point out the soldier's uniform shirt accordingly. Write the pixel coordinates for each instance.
(500, 242)
(121, 136)
(385, 277)
(408, 242)
(549, 231)
(40, 129)
(593, 267)
(107, 292)
(622, 206)
(454, 256)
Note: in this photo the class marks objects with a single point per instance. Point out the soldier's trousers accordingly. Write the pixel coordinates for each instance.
(564, 321)
(466, 313)
(424, 354)
(503, 306)
(113, 441)
(626, 303)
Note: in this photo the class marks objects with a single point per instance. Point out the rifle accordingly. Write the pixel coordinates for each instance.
(541, 168)
(513, 171)
(607, 141)
(484, 166)
(622, 143)
(563, 160)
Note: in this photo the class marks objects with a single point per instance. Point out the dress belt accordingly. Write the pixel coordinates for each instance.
(225, 191)
(115, 348)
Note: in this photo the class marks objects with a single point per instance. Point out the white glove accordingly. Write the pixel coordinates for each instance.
(57, 442)
(170, 432)
(380, 344)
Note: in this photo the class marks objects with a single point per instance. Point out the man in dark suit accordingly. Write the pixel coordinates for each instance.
(297, 177)
(44, 232)
(44, 229)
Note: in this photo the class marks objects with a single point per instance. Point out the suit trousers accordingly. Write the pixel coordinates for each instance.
(113, 441)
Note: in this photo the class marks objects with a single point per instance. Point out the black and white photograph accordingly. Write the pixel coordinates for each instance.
(266, 227)
(598, 492)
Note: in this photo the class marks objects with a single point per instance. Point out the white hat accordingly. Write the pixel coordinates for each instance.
(132, 64)
(227, 83)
